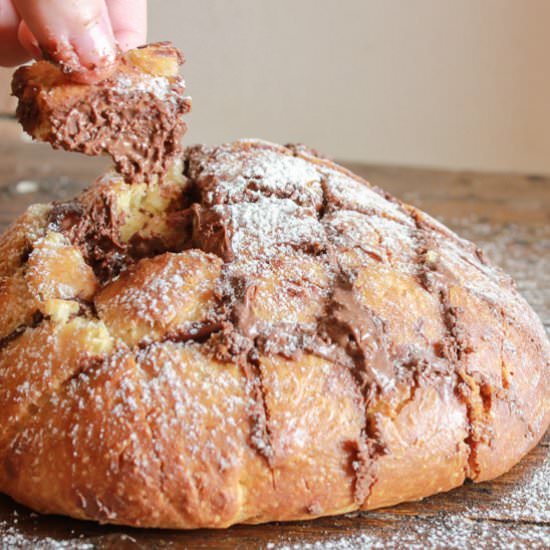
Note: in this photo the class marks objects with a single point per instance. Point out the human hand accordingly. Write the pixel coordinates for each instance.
(82, 36)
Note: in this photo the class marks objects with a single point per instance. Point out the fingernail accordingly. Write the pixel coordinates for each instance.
(34, 49)
(28, 41)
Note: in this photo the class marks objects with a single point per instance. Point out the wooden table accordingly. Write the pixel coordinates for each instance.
(508, 215)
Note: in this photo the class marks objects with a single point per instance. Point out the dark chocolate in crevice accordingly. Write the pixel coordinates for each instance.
(436, 279)
(259, 437)
(37, 319)
(96, 230)
(362, 336)
(211, 232)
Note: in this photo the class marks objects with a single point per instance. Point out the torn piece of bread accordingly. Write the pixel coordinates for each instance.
(135, 115)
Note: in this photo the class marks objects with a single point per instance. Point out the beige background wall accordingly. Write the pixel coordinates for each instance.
(450, 83)
(454, 83)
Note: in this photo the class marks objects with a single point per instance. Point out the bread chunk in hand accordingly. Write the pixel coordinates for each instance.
(135, 115)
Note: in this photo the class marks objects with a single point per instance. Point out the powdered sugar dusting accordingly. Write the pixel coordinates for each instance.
(528, 499)
(347, 193)
(158, 86)
(522, 251)
(11, 537)
(166, 289)
(184, 389)
(22, 530)
(439, 532)
(226, 175)
(263, 228)
(384, 238)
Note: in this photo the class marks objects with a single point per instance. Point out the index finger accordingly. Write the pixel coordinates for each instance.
(129, 22)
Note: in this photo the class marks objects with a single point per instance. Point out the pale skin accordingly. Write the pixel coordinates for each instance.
(82, 36)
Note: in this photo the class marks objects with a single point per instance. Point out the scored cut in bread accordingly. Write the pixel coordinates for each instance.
(266, 337)
(135, 115)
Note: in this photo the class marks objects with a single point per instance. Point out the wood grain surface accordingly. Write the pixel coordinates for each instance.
(508, 215)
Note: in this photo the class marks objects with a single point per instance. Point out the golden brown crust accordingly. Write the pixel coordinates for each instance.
(135, 115)
(266, 338)
(168, 295)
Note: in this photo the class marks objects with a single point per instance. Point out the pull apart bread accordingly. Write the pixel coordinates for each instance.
(135, 115)
(260, 336)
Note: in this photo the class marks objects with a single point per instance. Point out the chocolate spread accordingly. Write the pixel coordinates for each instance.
(142, 133)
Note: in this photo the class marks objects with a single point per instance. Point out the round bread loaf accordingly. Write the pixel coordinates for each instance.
(265, 337)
